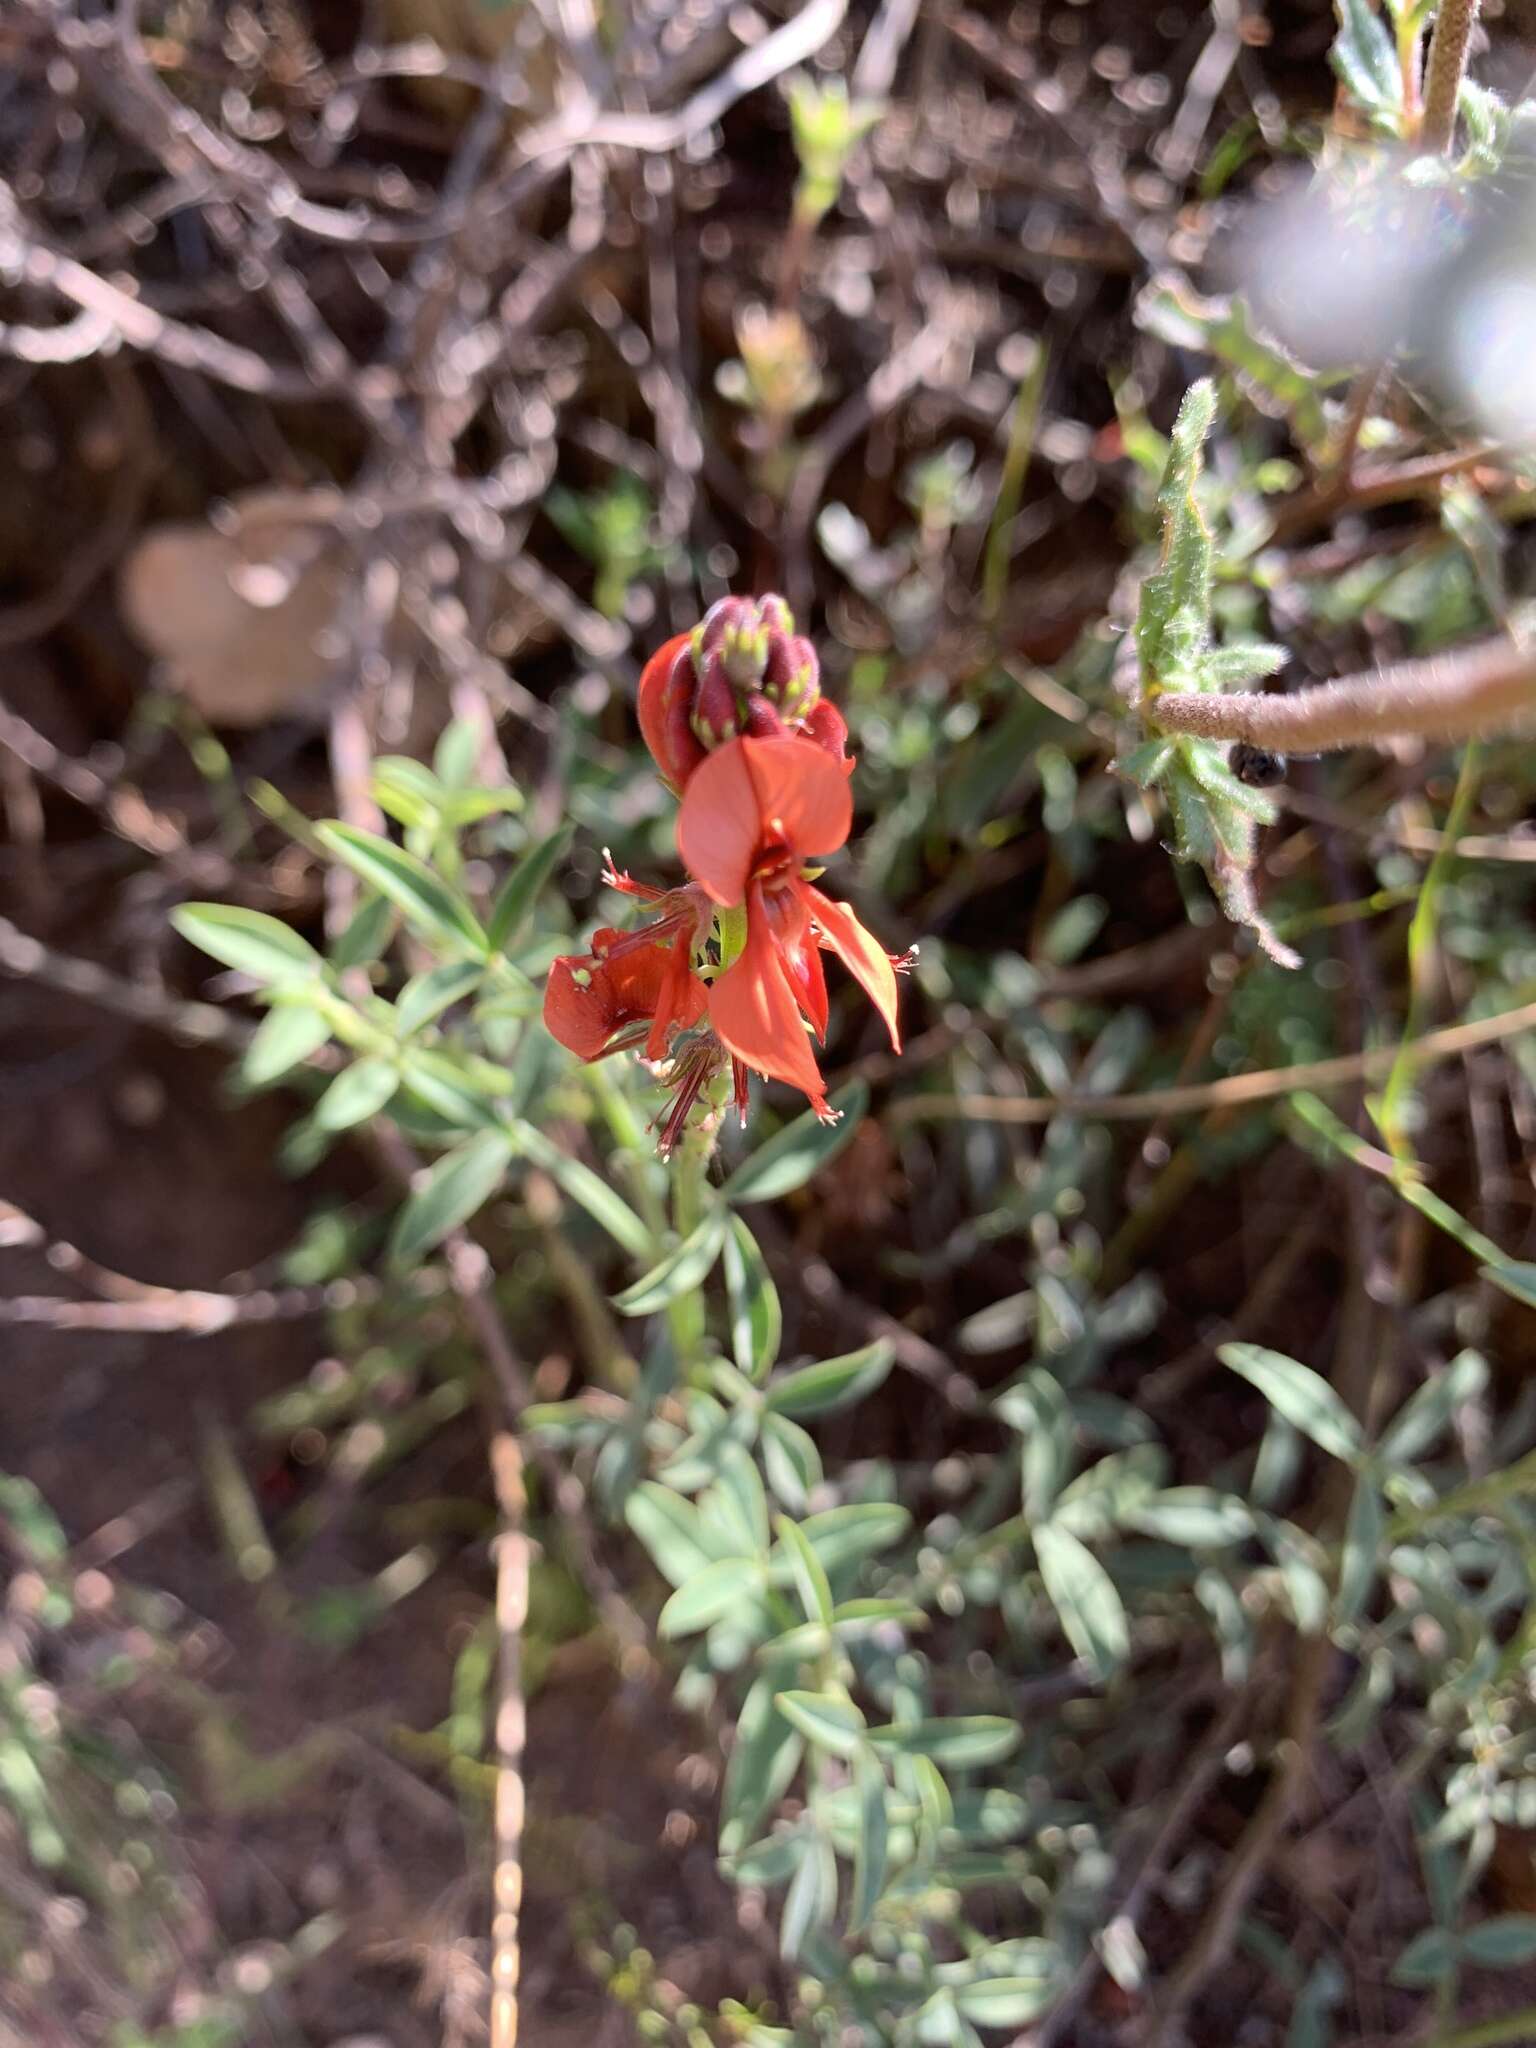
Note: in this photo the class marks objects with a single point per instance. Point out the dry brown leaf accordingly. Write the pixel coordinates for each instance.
(239, 617)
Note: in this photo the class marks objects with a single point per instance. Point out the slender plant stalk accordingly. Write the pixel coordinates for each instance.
(1451, 696)
(511, 1734)
(1422, 935)
(1443, 75)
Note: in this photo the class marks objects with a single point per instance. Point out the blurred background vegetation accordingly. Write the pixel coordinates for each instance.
(1051, 1561)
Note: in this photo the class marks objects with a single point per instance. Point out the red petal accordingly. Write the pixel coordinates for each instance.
(719, 827)
(578, 1013)
(789, 921)
(680, 1000)
(756, 1018)
(802, 795)
(664, 701)
(751, 794)
(865, 959)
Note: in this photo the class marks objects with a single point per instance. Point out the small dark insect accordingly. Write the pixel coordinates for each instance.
(1257, 766)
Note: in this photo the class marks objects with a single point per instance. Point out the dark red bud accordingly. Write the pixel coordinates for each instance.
(792, 676)
(715, 717)
(762, 720)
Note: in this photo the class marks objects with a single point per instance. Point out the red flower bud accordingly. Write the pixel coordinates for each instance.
(743, 671)
(667, 686)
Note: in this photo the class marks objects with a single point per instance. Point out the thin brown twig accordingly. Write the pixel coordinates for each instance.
(142, 1308)
(1448, 696)
(1268, 1085)
(1447, 66)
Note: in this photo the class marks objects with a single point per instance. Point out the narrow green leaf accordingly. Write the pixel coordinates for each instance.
(427, 903)
(957, 1742)
(1426, 1415)
(1302, 1396)
(809, 1574)
(249, 941)
(368, 932)
(845, 1535)
(834, 1383)
(520, 891)
(585, 1188)
(454, 1187)
(812, 1896)
(709, 1593)
(1428, 1959)
(1364, 1531)
(1514, 1277)
(827, 1720)
(1502, 1943)
(764, 1758)
(671, 1530)
(1085, 1598)
(1195, 1517)
(684, 1268)
(870, 1850)
(425, 998)
(757, 1320)
(284, 1039)
(791, 1461)
(357, 1093)
(1006, 2001)
(800, 1150)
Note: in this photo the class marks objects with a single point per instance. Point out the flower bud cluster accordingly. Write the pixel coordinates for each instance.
(743, 672)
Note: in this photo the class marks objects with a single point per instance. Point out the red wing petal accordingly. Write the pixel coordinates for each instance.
(756, 1018)
(802, 795)
(663, 704)
(718, 827)
(577, 1009)
(865, 959)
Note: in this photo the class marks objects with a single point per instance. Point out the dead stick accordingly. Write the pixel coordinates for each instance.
(1446, 69)
(1446, 697)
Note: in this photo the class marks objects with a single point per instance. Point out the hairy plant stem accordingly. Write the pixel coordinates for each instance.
(1443, 74)
(1451, 696)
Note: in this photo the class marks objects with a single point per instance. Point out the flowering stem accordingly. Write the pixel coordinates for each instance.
(1478, 690)
(1443, 75)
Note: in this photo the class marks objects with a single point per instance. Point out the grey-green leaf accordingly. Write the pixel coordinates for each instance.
(800, 1150)
(427, 996)
(808, 1572)
(587, 1189)
(764, 1758)
(357, 1093)
(454, 1187)
(870, 1849)
(955, 1742)
(827, 1720)
(757, 1320)
(428, 904)
(1363, 1533)
(284, 1039)
(707, 1594)
(1084, 1596)
(1302, 1396)
(520, 891)
(683, 1269)
(249, 941)
(834, 1383)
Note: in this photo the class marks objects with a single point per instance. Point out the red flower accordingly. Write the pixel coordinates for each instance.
(754, 811)
(595, 1002)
